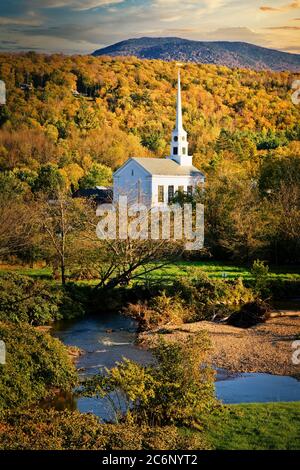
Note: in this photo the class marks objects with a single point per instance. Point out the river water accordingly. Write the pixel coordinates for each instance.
(107, 338)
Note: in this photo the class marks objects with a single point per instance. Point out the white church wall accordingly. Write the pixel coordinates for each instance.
(176, 181)
(132, 181)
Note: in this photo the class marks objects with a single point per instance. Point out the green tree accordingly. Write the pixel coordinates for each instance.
(48, 180)
(98, 175)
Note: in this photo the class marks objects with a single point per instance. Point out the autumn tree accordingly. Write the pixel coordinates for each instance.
(62, 221)
(17, 216)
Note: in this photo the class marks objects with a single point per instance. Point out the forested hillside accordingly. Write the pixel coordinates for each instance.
(229, 53)
(66, 117)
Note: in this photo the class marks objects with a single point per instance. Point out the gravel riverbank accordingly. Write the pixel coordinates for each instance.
(265, 347)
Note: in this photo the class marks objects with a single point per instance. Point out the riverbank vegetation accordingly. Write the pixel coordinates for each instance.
(38, 429)
(36, 302)
(198, 293)
(177, 389)
(36, 365)
(268, 426)
(150, 402)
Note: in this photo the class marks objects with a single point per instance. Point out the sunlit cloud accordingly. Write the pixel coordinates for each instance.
(81, 26)
(286, 28)
(282, 8)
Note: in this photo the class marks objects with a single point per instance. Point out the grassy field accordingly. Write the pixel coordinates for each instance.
(256, 426)
(217, 269)
(214, 269)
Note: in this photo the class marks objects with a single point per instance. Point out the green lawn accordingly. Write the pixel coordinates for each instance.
(215, 269)
(218, 270)
(256, 426)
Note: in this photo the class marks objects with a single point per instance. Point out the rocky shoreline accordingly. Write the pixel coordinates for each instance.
(266, 347)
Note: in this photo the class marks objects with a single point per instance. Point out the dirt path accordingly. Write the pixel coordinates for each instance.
(263, 348)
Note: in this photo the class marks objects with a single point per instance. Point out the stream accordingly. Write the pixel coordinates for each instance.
(108, 338)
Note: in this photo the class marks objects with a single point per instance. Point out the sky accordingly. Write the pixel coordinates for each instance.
(81, 26)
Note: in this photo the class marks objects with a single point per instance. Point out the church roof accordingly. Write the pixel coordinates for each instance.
(166, 167)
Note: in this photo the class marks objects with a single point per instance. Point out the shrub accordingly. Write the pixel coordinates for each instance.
(209, 298)
(36, 429)
(178, 388)
(27, 300)
(160, 310)
(35, 363)
(260, 274)
(191, 299)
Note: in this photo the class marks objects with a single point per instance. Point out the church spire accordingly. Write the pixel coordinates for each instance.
(179, 108)
(179, 143)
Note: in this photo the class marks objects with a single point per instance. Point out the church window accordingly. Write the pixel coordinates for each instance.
(175, 138)
(190, 190)
(183, 137)
(175, 150)
(132, 172)
(170, 193)
(161, 194)
(183, 150)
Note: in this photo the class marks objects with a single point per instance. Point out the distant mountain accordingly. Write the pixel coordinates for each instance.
(231, 54)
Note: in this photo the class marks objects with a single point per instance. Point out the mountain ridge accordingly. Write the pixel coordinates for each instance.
(228, 53)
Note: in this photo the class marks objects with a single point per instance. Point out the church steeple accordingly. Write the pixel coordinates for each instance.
(178, 107)
(179, 143)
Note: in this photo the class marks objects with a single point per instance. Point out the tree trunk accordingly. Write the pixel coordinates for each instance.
(62, 272)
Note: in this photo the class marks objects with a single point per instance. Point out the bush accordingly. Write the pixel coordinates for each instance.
(27, 300)
(209, 298)
(70, 430)
(260, 274)
(191, 299)
(159, 311)
(35, 363)
(178, 388)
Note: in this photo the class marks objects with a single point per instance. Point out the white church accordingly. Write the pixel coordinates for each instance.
(155, 181)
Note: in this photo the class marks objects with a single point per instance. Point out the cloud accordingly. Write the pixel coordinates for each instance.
(292, 49)
(285, 28)
(79, 5)
(237, 34)
(5, 20)
(282, 8)
(85, 25)
(171, 19)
